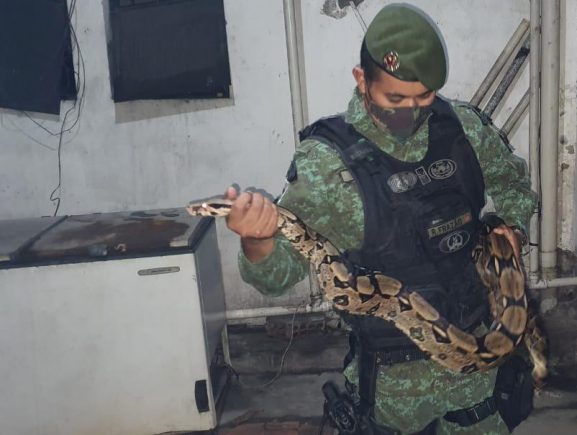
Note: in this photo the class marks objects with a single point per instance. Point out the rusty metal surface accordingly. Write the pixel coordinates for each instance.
(16, 234)
(113, 235)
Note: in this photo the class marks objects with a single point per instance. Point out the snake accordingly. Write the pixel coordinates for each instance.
(373, 293)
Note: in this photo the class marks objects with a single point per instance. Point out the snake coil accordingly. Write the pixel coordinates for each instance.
(373, 293)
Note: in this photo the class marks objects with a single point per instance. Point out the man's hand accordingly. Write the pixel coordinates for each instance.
(254, 218)
(511, 236)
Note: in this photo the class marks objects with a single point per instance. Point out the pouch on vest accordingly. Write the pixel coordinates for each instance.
(514, 390)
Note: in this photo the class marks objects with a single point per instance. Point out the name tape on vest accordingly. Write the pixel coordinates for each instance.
(447, 227)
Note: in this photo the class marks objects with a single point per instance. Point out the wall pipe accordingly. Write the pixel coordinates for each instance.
(295, 48)
(517, 113)
(252, 313)
(553, 283)
(534, 129)
(294, 66)
(508, 78)
(519, 35)
(550, 52)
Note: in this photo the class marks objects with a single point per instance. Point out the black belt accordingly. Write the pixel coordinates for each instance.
(369, 361)
(473, 415)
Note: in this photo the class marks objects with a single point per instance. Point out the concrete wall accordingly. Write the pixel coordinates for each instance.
(568, 127)
(144, 155)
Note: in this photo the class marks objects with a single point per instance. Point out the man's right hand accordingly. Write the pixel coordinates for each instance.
(253, 217)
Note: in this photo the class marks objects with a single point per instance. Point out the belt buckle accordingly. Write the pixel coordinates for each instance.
(475, 412)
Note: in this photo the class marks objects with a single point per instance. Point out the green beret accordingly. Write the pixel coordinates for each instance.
(404, 42)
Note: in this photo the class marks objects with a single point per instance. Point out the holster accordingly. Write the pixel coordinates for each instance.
(514, 390)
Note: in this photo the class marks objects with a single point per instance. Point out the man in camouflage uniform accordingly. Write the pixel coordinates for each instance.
(395, 108)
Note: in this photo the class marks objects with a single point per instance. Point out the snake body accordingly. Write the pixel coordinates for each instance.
(373, 293)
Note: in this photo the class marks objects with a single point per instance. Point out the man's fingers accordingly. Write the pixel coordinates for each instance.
(262, 210)
(242, 203)
(252, 215)
(272, 223)
(230, 193)
(263, 224)
(256, 205)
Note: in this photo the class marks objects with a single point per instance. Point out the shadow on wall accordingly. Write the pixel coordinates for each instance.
(146, 109)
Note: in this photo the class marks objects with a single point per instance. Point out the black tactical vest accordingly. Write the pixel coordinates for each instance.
(421, 218)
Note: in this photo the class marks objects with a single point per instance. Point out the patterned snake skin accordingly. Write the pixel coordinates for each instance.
(373, 293)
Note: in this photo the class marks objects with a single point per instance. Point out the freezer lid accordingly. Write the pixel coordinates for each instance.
(103, 236)
(17, 234)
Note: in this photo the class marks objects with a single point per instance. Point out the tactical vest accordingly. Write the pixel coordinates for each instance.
(421, 218)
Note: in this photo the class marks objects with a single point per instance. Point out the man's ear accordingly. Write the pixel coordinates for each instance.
(359, 75)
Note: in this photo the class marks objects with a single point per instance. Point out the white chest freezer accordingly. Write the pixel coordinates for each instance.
(109, 324)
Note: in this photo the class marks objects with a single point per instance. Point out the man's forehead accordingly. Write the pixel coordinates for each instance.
(395, 87)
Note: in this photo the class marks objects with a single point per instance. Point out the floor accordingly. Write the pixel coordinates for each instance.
(293, 405)
(260, 401)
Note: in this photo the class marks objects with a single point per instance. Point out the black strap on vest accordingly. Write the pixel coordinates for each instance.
(469, 416)
(369, 363)
(367, 381)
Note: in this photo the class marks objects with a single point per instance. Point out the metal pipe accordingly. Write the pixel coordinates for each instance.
(298, 18)
(517, 113)
(552, 283)
(294, 66)
(508, 78)
(549, 130)
(293, 29)
(534, 129)
(251, 313)
(519, 35)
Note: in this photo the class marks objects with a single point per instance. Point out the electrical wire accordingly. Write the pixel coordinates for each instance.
(282, 361)
(358, 15)
(80, 82)
(53, 198)
(55, 194)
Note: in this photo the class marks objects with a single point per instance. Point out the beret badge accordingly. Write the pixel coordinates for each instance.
(391, 61)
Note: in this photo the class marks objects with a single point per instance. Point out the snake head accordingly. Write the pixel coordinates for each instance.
(210, 207)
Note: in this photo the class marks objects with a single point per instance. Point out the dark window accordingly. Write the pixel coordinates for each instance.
(168, 49)
(36, 69)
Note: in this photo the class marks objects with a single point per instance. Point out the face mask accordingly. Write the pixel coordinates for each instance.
(400, 121)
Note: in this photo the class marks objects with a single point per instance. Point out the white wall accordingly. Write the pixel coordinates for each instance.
(145, 155)
(567, 193)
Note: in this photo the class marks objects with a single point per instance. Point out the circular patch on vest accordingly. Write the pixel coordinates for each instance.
(454, 241)
(402, 181)
(442, 169)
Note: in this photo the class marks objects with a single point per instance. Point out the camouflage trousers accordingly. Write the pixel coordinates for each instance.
(411, 395)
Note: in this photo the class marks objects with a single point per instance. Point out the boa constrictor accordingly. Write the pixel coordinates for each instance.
(373, 293)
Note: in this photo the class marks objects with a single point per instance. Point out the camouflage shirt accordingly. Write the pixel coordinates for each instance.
(328, 201)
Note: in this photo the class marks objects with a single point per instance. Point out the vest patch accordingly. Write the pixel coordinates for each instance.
(402, 181)
(449, 226)
(442, 169)
(454, 241)
(423, 176)
(346, 176)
